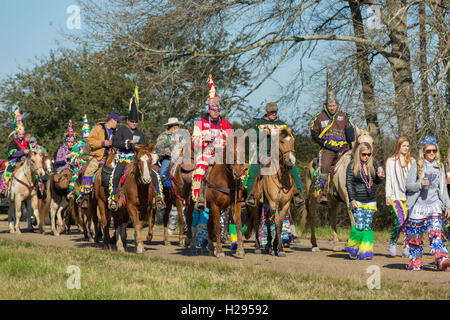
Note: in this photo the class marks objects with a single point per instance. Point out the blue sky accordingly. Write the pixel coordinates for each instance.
(29, 29)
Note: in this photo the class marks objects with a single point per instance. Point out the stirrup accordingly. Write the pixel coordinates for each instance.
(159, 203)
(251, 201)
(71, 195)
(298, 200)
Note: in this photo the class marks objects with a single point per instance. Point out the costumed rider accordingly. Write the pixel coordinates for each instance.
(163, 149)
(18, 149)
(269, 122)
(333, 131)
(209, 133)
(62, 156)
(34, 146)
(125, 138)
(99, 143)
(76, 157)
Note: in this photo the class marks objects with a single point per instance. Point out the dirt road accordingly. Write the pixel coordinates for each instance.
(299, 259)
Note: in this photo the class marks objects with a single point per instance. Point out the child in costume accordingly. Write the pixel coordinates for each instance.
(363, 175)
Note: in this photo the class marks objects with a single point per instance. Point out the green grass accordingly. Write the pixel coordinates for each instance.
(30, 271)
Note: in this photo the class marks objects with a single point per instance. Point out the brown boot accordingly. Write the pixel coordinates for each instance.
(159, 203)
(200, 204)
(324, 195)
(297, 197)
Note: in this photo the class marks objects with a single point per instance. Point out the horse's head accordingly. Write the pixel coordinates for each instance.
(35, 160)
(237, 166)
(48, 163)
(363, 136)
(286, 146)
(144, 158)
(110, 157)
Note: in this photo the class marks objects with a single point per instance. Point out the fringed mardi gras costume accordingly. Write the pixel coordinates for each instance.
(360, 242)
(400, 212)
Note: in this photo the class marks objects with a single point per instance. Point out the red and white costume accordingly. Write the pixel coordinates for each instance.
(206, 137)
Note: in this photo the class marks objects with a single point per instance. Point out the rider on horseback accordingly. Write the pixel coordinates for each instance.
(18, 148)
(163, 149)
(333, 131)
(270, 122)
(125, 138)
(76, 157)
(209, 133)
(63, 154)
(99, 143)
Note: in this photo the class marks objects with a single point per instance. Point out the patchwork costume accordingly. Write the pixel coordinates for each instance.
(425, 205)
(16, 150)
(362, 188)
(76, 154)
(207, 135)
(334, 134)
(61, 160)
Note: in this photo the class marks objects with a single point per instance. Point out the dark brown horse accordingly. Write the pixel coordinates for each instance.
(98, 213)
(224, 189)
(137, 195)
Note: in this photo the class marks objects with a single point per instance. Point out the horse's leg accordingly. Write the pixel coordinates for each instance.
(214, 215)
(312, 222)
(35, 207)
(18, 205)
(53, 208)
(166, 221)
(279, 219)
(179, 205)
(236, 211)
(151, 219)
(59, 220)
(104, 224)
(11, 212)
(256, 224)
(133, 212)
(333, 210)
(188, 214)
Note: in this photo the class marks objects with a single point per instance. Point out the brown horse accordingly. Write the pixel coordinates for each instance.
(138, 193)
(224, 189)
(276, 190)
(98, 213)
(337, 195)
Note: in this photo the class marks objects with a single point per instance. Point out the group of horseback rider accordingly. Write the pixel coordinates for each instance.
(331, 129)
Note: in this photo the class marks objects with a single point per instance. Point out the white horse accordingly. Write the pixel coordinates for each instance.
(21, 188)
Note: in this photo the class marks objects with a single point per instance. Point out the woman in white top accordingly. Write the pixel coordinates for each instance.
(397, 167)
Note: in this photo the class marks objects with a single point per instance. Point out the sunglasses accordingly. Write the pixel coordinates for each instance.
(430, 151)
(366, 154)
(132, 121)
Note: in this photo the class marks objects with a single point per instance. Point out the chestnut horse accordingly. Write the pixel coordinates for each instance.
(224, 189)
(138, 193)
(276, 190)
(337, 194)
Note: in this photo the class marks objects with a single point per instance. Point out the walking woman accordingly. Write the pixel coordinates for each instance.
(397, 167)
(363, 175)
(427, 199)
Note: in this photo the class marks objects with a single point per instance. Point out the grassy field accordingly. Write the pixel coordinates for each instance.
(30, 271)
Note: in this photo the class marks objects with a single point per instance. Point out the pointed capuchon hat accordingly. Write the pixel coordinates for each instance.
(133, 108)
(213, 99)
(70, 136)
(331, 93)
(18, 125)
(86, 129)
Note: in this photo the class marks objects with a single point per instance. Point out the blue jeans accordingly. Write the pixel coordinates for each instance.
(164, 174)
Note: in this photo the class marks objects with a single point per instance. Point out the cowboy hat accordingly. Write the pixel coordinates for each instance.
(173, 122)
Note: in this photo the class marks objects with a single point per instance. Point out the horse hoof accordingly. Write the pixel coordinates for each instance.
(12, 231)
(315, 249)
(167, 243)
(149, 238)
(120, 249)
(240, 253)
(182, 243)
(139, 249)
(257, 251)
(282, 254)
(220, 255)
